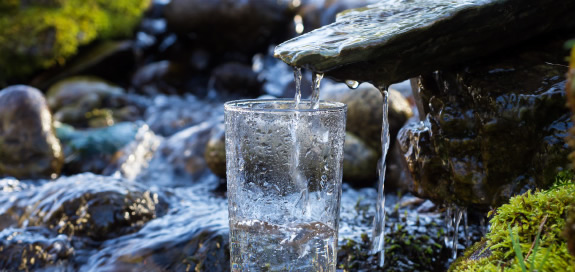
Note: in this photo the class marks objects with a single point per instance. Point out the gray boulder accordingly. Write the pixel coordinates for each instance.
(28, 146)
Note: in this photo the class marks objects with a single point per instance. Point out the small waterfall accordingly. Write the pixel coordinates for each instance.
(378, 235)
(297, 176)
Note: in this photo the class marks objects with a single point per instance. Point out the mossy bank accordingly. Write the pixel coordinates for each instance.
(543, 212)
(41, 34)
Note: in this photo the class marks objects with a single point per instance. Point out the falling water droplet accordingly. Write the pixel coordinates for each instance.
(297, 79)
(316, 79)
(352, 84)
(378, 235)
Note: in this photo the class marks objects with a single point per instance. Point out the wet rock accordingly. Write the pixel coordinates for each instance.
(359, 161)
(224, 25)
(203, 251)
(215, 153)
(84, 205)
(394, 40)
(28, 146)
(33, 248)
(39, 36)
(92, 150)
(236, 79)
(493, 129)
(90, 102)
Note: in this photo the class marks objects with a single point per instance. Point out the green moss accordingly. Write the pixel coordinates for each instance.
(39, 36)
(526, 214)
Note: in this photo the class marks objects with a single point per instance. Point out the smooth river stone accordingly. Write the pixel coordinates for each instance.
(393, 40)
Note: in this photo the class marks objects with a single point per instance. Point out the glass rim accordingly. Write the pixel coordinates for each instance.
(242, 105)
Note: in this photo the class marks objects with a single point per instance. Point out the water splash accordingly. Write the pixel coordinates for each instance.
(297, 78)
(316, 79)
(378, 235)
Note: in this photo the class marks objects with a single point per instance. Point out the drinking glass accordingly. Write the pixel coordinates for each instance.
(284, 171)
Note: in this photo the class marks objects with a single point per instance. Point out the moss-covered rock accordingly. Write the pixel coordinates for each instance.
(46, 33)
(525, 216)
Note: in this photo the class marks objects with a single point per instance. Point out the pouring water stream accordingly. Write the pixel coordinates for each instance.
(378, 231)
